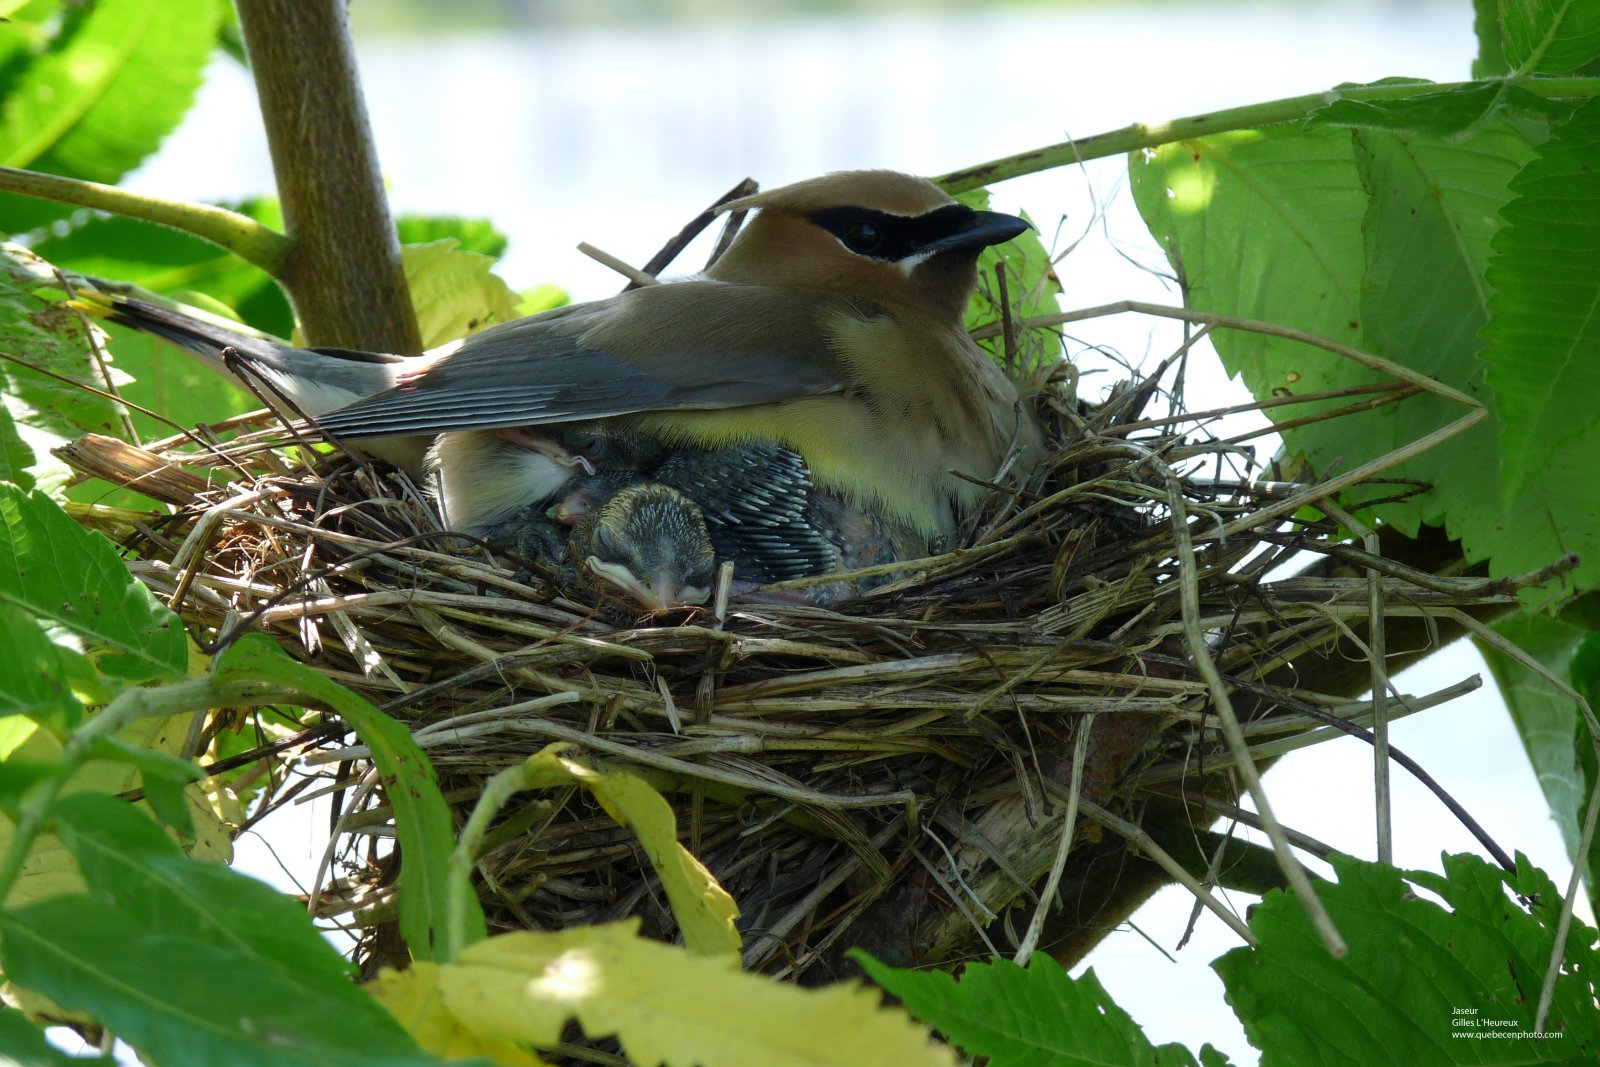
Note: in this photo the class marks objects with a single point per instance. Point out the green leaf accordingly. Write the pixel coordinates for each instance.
(164, 378)
(1548, 721)
(180, 998)
(473, 235)
(22, 1044)
(1491, 58)
(1267, 225)
(128, 862)
(422, 819)
(1544, 328)
(164, 778)
(1020, 1017)
(46, 411)
(60, 573)
(34, 675)
(1031, 289)
(541, 298)
(1550, 36)
(1428, 226)
(16, 458)
(111, 84)
(1417, 974)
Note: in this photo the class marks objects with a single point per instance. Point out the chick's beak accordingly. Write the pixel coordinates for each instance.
(983, 229)
(657, 594)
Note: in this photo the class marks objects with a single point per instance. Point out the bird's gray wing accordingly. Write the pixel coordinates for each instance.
(683, 346)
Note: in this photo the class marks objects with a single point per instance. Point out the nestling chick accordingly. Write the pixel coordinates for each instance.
(648, 541)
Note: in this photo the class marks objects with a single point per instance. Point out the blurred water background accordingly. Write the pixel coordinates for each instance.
(611, 124)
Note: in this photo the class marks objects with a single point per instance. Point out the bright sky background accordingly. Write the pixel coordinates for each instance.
(618, 135)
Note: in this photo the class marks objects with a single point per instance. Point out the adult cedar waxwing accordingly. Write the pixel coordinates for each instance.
(831, 327)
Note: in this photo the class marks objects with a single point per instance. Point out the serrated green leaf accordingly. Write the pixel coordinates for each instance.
(422, 819)
(112, 84)
(1544, 326)
(1027, 1017)
(663, 1004)
(1414, 971)
(60, 573)
(179, 998)
(16, 458)
(1550, 36)
(165, 379)
(163, 260)
(22, 1044)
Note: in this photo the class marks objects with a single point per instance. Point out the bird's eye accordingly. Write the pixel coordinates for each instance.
(862, 237)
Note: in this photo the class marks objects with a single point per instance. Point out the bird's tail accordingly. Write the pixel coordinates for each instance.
(298, 381)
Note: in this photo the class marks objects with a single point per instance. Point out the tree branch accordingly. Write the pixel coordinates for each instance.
(343, 273)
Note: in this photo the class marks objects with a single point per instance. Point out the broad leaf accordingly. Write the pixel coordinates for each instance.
(45, 411)
(128, 862)
(1267, 225)
(180, 998)
(1031, 292)
(1417, 976)
(35, 675)
(112, 82)
(1544, 331)
(1029, 1017)
(454, 292)
(60, 573)
(1550, 36)
(1491, 58)
(1431, 215)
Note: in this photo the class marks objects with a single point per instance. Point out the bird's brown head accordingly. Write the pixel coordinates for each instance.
(877, 233)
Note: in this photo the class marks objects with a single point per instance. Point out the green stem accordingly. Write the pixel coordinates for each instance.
(246, 238)
(1272, 112)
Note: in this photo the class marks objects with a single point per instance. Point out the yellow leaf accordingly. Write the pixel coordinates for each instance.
(704, 910)
(412, 997)
(453, 292)
(667, 1006)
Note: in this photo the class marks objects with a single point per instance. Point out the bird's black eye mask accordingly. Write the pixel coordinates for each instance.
(893, 237)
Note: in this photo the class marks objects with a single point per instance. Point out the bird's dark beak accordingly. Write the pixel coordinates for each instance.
(982, 229)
